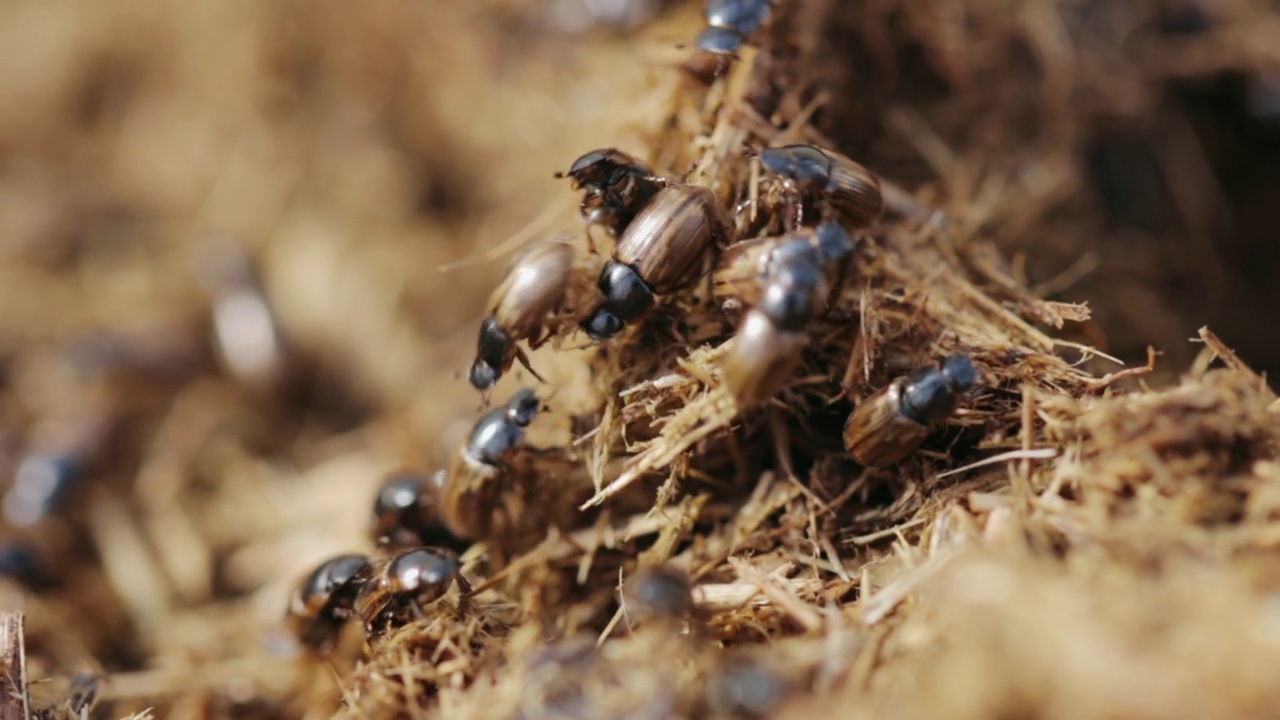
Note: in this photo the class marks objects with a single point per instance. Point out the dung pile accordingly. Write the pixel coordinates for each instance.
(669, 526)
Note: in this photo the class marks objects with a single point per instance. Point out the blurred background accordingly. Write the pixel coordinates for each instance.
(222, 228)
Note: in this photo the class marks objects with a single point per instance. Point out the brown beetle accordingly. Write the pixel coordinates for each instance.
(470, 495)
(519, 309)
(406, 514)
(325, 599)
(616, 186)
(739, 278)
(761, 357)
(892, 423)
(662, 250)
(850, 190)
(400, 585)
(795, 285)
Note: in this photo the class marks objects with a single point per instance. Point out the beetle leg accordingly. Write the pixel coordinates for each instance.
(796, 218)
(416, 608)
(837, 287)
(545, 334)
(723, 63)
(466, 602)
(709, 270)
(524, 360)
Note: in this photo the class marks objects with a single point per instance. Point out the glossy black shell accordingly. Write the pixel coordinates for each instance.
(931, 394)
(743, 16)
(406, 513)
(492, 348)
(430, 569)
(501, 430)
(807, 165)
(719, 41)
(331, 582)
(627, 298)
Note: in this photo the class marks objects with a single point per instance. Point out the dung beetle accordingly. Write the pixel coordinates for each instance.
(795, 279)
(325, 599)
(767, 344)
(468, 499)
(892, 423)
(824, 176)
(402, 584)
(739, 275)
(406, 512)
(616, 186)
(519, 309)
(502, 430)
(662, 250)
(730, 23)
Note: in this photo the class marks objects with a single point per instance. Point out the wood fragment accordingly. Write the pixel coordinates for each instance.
(14, 703)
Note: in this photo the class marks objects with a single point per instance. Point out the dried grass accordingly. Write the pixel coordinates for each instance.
(1071, 543)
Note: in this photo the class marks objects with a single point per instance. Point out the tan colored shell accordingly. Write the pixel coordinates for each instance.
(877, 434)
(854, 192)
(667, 242)
(467, 494)
(740, 273)
(532, 289)
(737, 276)
(760, 359)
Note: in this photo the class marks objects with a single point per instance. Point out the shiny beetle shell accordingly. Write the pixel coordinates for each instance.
(729, 22)
(667, 241)
(738, 275)
(851, 190)
(406, 512)
(406, 581)
(469, 496)
(470, 490)
(427, 573)
(325, 598)
(741, 275)
(892, 423)
(878, 434)
(931, 394)
(533, 288)
(760, 357)
(744, 16)
(469, 493)
(719, 41)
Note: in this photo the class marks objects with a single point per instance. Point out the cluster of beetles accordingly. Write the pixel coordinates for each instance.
(786, 265)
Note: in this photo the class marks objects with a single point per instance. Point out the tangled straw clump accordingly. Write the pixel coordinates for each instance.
(1068, 543)
(849, 573)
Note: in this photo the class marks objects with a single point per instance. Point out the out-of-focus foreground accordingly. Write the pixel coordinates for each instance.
(223, 319)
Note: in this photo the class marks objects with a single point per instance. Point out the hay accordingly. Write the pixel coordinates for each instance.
(1085, 537)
